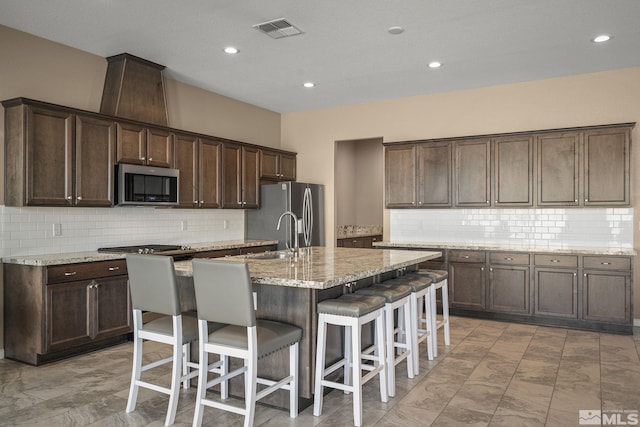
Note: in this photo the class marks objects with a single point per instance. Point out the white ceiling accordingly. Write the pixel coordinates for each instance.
(345, 49)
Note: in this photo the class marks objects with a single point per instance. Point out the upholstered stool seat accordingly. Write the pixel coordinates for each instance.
(397, 297)
(351, 311)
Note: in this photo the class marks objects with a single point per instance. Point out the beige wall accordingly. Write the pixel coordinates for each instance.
(345, 172)
(590, 99)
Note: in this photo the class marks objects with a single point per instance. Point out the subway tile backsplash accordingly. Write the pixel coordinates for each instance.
(544, 228)
(30, 230)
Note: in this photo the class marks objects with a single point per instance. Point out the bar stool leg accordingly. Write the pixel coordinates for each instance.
(357, 372)
(404, 315)
(389, 327)
(380, 343)
(445, 312)
(434, 320)
(320, 361)
(347, 371)
(293, 387)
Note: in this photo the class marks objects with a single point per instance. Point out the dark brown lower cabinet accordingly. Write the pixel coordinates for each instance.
(509, 289)
(467, 285)
(556, 293)
(358, 242)
(606, 296)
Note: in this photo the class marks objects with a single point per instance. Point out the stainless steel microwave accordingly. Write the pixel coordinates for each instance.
(146, 185)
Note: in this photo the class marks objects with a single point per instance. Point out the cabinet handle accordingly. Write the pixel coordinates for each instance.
(575, 274)
(466, 257)
(69, 198)
(79, 197)
(70, 273)
(585, 274)
(150, 159)
(555, 260)
(114, 268)
(491, 269)
(586, 200)
(201, 201)
(481, 268)
(487, 202)
(142, 158)
(508, 258)
(576, 200)
(96, 286)
(605, 263)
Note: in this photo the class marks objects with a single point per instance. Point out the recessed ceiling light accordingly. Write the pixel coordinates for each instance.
(395, 30)
(602, 38)
(230, 50)
(435, 64)
(309, 84)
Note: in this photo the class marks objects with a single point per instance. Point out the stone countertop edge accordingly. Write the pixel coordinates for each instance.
(185, 269)
(511, 248)
(93, 256)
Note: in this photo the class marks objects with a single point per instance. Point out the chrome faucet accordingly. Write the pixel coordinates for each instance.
(295, 230)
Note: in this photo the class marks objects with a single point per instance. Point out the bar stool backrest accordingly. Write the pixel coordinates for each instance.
(223, 292)
(152, 283)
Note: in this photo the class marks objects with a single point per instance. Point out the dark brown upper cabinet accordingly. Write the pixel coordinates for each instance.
(434, 174)
(558, 169)
(142, 145)
(472, 173)
(513, 171)
(198, 160)
(606, 167)
(58, 158)
(400, 176)
(240, 176)
(277, 166)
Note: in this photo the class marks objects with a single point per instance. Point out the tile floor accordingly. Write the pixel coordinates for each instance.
(494, 373)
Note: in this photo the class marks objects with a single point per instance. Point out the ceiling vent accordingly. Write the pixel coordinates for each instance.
(278, 28)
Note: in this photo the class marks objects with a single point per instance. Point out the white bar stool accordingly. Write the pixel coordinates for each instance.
(223, 294)
(423, 326)
(153, 288)
(397, 297)
(439, 282)
(351, 311)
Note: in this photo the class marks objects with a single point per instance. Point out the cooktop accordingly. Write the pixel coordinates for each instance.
(143, 249)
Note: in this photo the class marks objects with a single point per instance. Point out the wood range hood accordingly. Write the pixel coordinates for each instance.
(134, 89)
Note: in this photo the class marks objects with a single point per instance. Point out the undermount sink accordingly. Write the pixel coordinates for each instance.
(273, 255)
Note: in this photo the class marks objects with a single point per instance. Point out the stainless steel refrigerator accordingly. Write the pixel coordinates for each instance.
(306, 201)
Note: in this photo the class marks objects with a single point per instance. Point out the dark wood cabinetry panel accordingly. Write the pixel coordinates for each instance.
(434, 174)
(109, 293)
(68, 316)
(95, 150)
(558, 169)
(240, 176)
(556, 292)
(606, 167)
(606, 296)
(209, 173)
(509, 289)
(250, 177)
(132, 144)
(513, 171)
(467, 285)
(49, 157)
(400, 176)
(186, 161)
(473, 173)
(277, 166)
(358, 242)
(159, 148)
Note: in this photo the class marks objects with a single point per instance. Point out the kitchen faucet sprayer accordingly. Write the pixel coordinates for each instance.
(295, 231)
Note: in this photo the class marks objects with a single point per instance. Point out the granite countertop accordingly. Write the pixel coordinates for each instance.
(351, 231)
(322, 267)
(511, 248)
(91, 256)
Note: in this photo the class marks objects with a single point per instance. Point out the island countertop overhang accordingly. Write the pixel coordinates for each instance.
(322, 267)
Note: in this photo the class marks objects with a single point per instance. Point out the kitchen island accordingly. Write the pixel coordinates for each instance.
(288, 290)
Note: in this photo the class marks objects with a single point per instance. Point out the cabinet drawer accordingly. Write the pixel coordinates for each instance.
(466, 256)
(550, 260)
(607, 263)
(509, 258)
(86, 270)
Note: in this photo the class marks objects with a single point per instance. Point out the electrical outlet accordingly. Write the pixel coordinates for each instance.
(57, 230)
(225, 224)
(183, 225)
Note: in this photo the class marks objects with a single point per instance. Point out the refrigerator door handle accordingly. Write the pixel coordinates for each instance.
(307, 216)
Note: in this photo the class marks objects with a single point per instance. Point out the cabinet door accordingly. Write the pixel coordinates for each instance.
(269, 165)
(400, 176)
(209, 166)
(132, 144)
(513, 171)
(467, 285)
(159, 148)
(231, 176)
(287, 167)
(186, 161)
(558, 169)
(250, 177)
(68, 315)
(434, 175)
(606, 167)
(95, 161)
(49, 160)
(556, 293)
(509, 289)
(473, 173)
(606, 296)
(112, 307)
